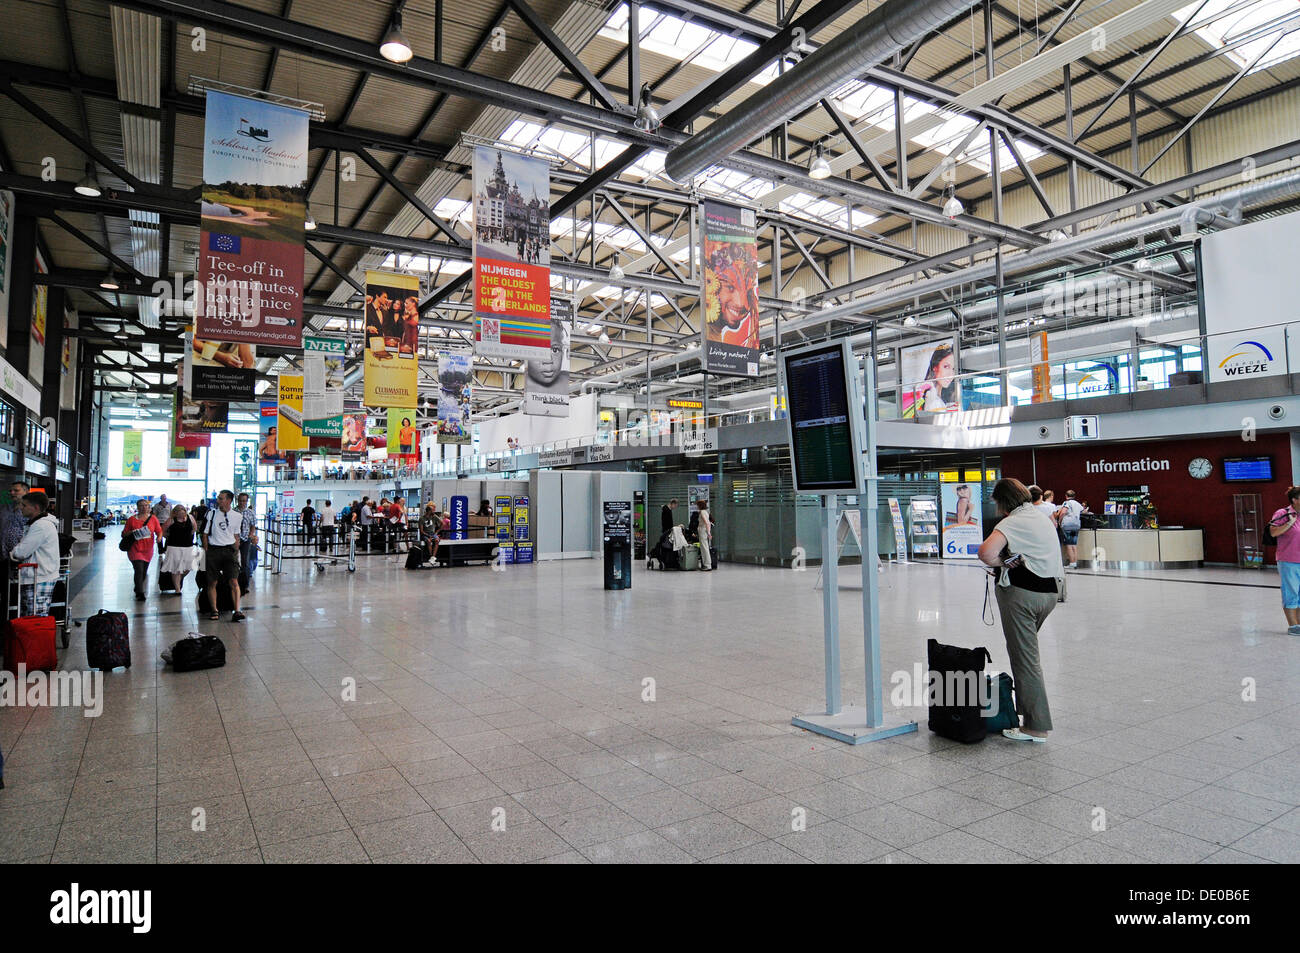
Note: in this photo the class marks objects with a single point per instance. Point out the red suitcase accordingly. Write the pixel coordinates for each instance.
(30, 641)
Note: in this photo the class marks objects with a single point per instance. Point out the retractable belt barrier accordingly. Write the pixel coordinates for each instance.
(285, 537)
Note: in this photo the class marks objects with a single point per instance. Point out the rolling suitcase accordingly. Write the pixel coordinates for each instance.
(225, 601)
(958, 674)
(108, 641)
(29, 641)
(690, 558)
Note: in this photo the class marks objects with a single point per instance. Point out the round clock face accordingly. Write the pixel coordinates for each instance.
(1200, 468)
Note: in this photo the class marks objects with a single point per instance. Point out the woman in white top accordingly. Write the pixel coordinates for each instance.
(1031, 583)
(705, 532)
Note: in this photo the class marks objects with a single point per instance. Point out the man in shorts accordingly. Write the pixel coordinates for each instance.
(221, 546)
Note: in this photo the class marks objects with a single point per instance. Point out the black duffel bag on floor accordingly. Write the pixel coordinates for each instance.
(198, 652)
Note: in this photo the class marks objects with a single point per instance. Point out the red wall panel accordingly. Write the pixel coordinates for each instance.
(1179, 499)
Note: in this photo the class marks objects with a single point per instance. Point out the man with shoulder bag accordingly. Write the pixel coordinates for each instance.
(221, 548)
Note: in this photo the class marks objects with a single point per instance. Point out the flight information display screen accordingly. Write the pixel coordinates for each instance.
(1247, 469)
(821, 424)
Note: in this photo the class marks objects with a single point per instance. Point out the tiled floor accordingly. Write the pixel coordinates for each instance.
(515, 700)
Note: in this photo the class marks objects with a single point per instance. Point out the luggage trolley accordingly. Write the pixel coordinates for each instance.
(59, 600)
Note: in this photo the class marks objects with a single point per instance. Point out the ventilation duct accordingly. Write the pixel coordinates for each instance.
(879, 35)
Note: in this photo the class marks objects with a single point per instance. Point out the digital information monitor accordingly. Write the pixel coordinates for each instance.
(1247, 469)
(825, 418)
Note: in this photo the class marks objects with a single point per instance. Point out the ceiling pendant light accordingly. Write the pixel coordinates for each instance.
(109, 282)
(1056, 235)
(909, 322)
(953, 207)
(647, 117)
(819, 168)
(395, 49)
(89, 185)
(616, 270)
(604, 337)
(1143, 263)
(309, 220)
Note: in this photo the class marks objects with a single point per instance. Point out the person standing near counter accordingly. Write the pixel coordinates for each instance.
(1282, 526)
(1069, 514)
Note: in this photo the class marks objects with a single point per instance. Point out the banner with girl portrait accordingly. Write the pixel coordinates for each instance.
(730, 289)
(930, 381)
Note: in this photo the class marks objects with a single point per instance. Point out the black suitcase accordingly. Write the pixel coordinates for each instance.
(955, 709)
(108, 641)
(225, 601)
(165, 583)
(416, 556)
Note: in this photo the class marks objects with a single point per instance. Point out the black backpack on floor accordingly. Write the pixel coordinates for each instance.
(955, 710)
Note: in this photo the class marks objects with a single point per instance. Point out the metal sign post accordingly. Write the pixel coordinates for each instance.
(833, 451)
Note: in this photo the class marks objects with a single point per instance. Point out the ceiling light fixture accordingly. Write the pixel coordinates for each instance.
(309, 220)
(616, 270)
(819, 168)
(89, 185)
(909, 322)
(395, 49)
(953, 207)
(604, 337)
(1056, 235)
(109, 282)
(647, 117)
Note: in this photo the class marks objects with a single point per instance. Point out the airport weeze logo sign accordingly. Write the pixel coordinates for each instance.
(1248, 357)
(1232, 358)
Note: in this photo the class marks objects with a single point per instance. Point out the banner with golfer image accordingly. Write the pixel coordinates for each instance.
(220, 370)
(512, 254)
(930, 382)
(322, 386)
(253, 204)
(392, 339)
(455, 390)
(730, 289)
(546, 383)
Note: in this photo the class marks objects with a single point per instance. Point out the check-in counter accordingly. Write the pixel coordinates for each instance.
(1170, 547)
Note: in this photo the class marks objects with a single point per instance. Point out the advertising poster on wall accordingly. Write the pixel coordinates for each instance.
(220, 370)
(930, 382)
(403, 434)
(268, 448)
(730, 289)
(512, 254)
(6, 259)
(354, 435)
(322, 386)
(392, 339)
(289, 412)
(546, 383)
(252, 208)
(132, 453)
(963, 529)
(455, 388)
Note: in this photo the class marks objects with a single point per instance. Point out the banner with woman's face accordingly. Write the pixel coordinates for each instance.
(930, 382)
(730, 289)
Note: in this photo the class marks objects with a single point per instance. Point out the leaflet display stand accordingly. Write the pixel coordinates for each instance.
(830, 435)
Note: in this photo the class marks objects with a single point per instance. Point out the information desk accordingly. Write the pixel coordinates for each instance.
(1170, 547)
(458, 552)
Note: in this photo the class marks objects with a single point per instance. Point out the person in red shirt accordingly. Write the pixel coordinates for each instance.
(143, 531)
(396, 514)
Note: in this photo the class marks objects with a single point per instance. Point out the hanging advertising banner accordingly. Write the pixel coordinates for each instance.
(253, 205)
(512, 254)
(403, 434)
(322, 386)
(40, 304)
(354, 435)
(963, 516)
(377, 439)
(730, 289)
(455, 388)
(930, 382)
(289, 413)
(1042, 376)
(132, 453)
(204, 416)
(268, 447)
(6, 259)
(220, 371)
(245, 477)
(392, 339)
(546, 382)
(184, 444)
